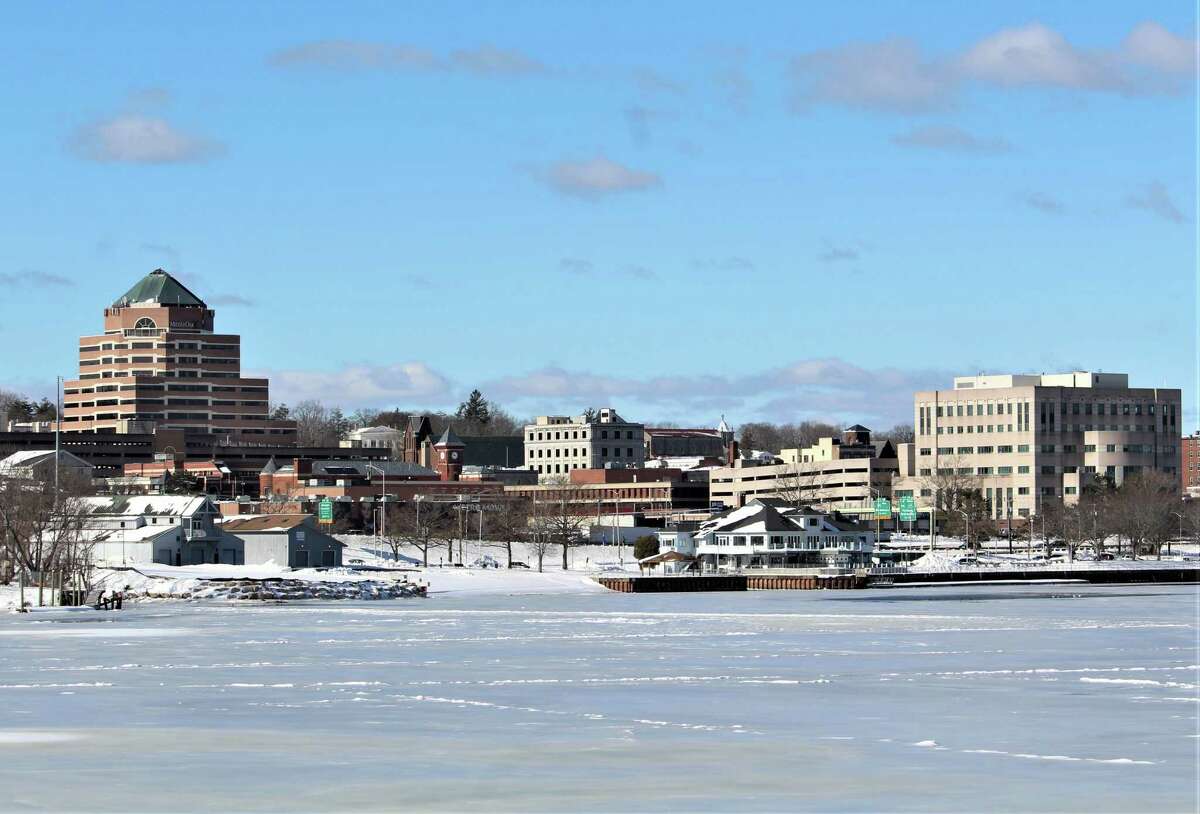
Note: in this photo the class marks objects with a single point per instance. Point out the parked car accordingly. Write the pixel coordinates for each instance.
(519, 564)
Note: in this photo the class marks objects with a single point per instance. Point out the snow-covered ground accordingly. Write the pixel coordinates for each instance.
(1015, 699)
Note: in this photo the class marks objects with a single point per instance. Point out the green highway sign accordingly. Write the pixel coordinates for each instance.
(908, 509)
(883, 508)
(325, 510)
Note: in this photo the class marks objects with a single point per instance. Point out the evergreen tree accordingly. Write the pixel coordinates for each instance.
(45, 411)
(475, 409)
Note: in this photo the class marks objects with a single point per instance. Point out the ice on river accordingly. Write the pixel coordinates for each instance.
(1003, 698)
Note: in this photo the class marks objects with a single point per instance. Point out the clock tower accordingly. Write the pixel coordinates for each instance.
(448, 455)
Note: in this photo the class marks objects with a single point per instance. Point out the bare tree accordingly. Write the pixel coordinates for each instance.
(42, 529)
(958, 496)
(444, 526)
(1141, 511)
(507, 522)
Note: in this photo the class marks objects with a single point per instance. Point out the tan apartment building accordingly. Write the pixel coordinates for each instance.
(159, 364)
(844, 474)
(1027, 439)
(558, 445)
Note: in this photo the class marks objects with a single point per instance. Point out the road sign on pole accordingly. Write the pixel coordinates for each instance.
(325, 511)
(908, 509)
(883, 508)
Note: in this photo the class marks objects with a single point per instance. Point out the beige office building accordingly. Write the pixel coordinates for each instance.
(556, 445)
(1027, 439)
(844, 474)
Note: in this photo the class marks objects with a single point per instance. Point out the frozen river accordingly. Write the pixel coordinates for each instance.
(1008, 698)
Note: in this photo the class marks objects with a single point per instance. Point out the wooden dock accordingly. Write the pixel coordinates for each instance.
(731, 582)
(818, 582)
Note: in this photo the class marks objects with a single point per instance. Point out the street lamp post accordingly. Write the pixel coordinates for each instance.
(381, 529)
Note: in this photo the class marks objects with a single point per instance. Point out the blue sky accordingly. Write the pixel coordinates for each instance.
(774, 210)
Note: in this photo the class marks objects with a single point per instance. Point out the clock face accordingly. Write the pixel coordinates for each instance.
(442, 455)
(454, 456)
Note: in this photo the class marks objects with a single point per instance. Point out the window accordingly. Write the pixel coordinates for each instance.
(1022, 447)
(145, 323)
(965, 450)
(945, 450)
(1047, 470)
(1022, 490)
(1006, 449)
(1022, 470)
(1048, 448)
(1004, 470)
(985, 450)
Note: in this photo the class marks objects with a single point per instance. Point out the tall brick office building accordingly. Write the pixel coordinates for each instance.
(159, 365)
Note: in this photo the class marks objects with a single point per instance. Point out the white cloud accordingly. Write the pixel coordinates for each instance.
(1037, 55)
(400, 384)
(1151, 45)
(595, 177)
(948, 138)
(137, 139)
(1155, 198)
(891, 75)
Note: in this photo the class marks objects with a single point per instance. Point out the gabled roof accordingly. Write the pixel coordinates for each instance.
(271, 468)
(266, 522)
(33, 457)
(134, 505)
(159, 288)
(856, 428)
(449, 439)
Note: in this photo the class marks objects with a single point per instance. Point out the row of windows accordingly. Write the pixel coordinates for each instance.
(582, 452)
(576, 435)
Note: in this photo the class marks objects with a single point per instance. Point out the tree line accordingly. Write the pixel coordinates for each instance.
(499, 521)
(18, 407)
(321, 425)
(1135, 518)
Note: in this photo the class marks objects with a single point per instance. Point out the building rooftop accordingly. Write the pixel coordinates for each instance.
(158, 288)
(1077, 378)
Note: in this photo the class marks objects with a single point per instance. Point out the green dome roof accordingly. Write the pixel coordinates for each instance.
(159, 288)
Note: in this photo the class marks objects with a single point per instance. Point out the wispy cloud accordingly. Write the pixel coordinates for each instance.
(595, 178)
(487, 60)
(576, 266)
(732, 263)
(230, 300)
(894, 75)
(639, 119)
(1042, 202)
(1155, 198)
(837, 254)
(948, 138)
(33, 279)
(366, 55)
(399, 384)
(651, 81)
(826, 387)
(133, 138)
